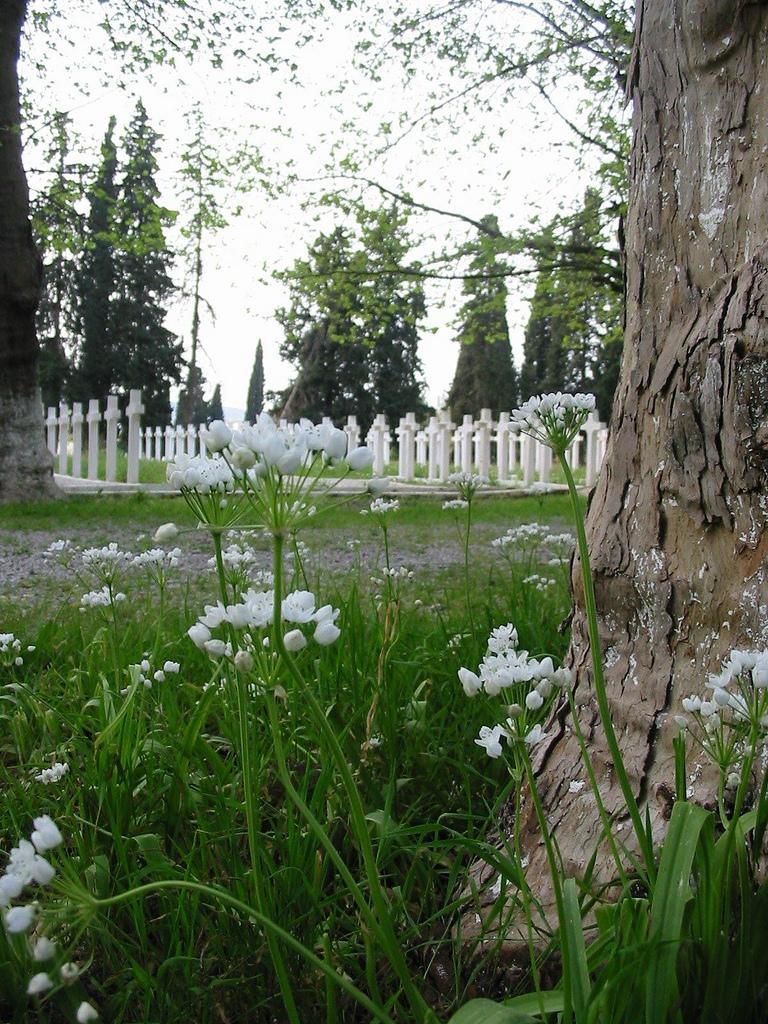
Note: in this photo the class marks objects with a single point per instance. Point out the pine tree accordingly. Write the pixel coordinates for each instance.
(485, 374)
(150, 356)
(99, 365)
(58, 230)
(255, 402)
(215, 410)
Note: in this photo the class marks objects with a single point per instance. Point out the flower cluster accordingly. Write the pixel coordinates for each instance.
(541, 583)
(380, 507)
(104, 598)
(736, 710)
(26, 866)
(455, 505)
(527, 682)
(467, 484)
(195, 473)
(143, 673)
(255, 611)
(107, 563)
(10, 650)
(554, 419)
(54, 774)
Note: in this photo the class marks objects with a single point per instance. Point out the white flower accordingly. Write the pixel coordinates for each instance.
(298, 606)
(326, 633)
(38, 984)
(46, 835)
(199, 634)
(27, 866)
(243, 661)
(536, 735)
(165, 533)
(86, 1013)
(469, 681)
(335, 446)
(290, 461)
(378, 485)
(171, 666)
(44, 949)
(294, 640)
(217, 436)
(215, 614)
(216, 648)
(243, 458)
(691, 704)
(380, 507)
(490, 740)
(360, 458)
(11, 887)
(502, 639)
(19, 919)
(534, 700)
(455, 504)
(69, 972)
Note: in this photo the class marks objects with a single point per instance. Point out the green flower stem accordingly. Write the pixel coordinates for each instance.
(269, 926)
(644, 840)
(420, 1009)
(554, 870)
(604, 818)
(467, 587)
(251, 803)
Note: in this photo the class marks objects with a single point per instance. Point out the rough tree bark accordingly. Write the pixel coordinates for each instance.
(676, 524)
(25, 464)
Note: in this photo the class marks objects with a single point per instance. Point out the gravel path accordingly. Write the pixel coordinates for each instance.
(24, 569)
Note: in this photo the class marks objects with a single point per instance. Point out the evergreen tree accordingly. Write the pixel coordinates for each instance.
(192, 406)
(352, 325)
(99, 364)
(58, 231)
(255, 402)
(150, 356)
(215, 410)
(485, 372)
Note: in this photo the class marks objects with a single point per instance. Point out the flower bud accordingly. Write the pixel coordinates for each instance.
(165, 533)
(360, 458)
(294, 640)
(244, 661)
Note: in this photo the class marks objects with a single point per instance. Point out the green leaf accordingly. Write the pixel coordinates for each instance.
(671, 893)
(485, 1011)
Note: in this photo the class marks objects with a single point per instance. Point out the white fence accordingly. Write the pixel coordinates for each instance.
(434, 449)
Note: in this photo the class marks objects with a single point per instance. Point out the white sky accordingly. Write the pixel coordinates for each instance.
(533, 169)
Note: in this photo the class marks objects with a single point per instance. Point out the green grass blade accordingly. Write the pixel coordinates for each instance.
(572, 936)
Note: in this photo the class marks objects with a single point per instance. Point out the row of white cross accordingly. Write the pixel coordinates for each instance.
(474, 445)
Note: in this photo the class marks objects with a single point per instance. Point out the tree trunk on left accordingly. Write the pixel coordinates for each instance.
(25, 464)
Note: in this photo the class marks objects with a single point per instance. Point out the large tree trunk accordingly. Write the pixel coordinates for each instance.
(25, 464)
(676, 524)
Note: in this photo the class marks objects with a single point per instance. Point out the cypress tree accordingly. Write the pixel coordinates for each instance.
(151, 358)
(255, 401)
(215, 410)
(99, 365)
(485, 372)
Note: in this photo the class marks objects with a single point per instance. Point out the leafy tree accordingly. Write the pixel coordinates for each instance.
(58, 229)
(202, 176)
(352, 326)
(485, 372)
(215, 410)
(255, 401)
(574, 332)
(99, 364)
(150, 356)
